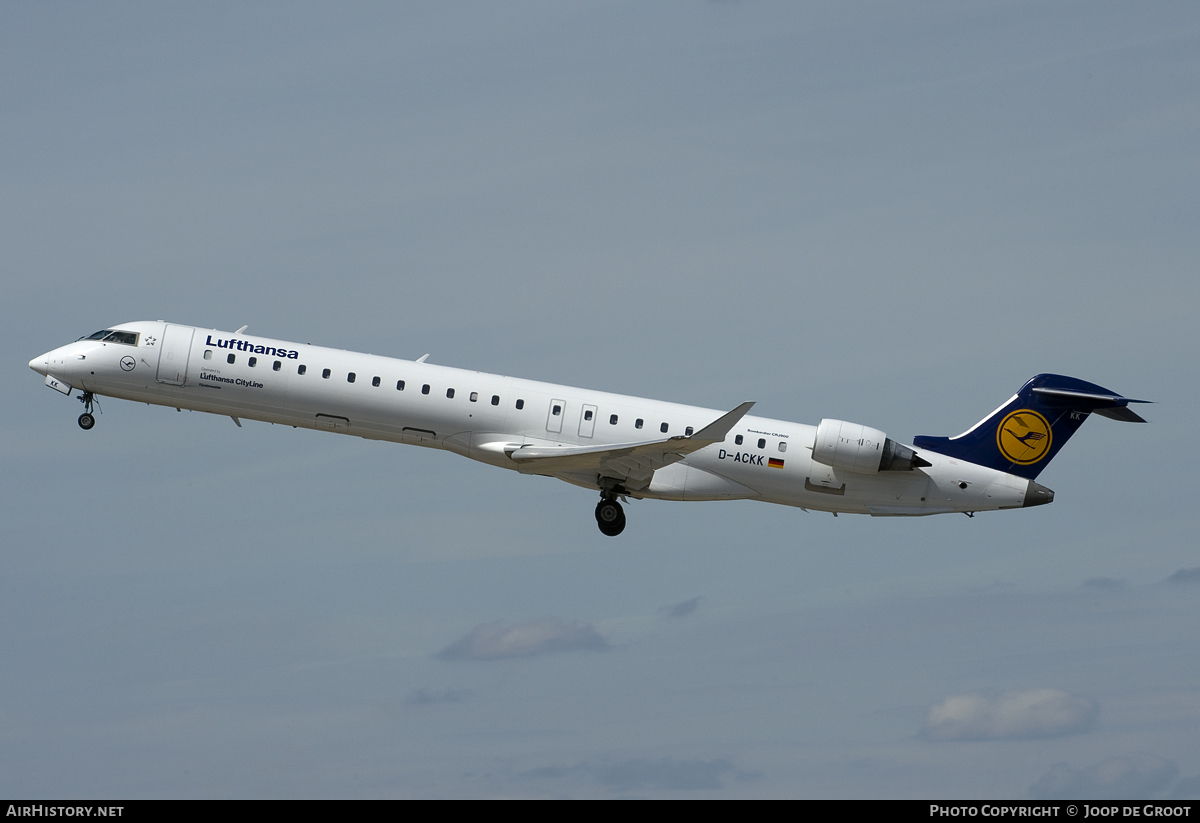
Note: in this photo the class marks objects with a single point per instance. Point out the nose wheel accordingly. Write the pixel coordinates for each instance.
(610, 517)
(86, 420)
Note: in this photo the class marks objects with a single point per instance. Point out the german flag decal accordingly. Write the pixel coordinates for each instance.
(774, 463)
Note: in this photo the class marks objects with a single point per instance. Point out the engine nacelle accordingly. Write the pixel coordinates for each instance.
(856, 448)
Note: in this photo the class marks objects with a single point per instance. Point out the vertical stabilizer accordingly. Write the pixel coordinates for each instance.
(1023, 435)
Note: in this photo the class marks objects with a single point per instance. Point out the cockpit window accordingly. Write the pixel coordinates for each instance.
(129, 338)
(112, 336)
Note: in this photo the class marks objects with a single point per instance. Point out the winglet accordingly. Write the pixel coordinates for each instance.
(715, 431)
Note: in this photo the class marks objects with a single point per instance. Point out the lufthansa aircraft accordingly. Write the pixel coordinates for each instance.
(619, 445)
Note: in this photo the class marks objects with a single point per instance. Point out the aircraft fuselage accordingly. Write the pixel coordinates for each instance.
(499, 420)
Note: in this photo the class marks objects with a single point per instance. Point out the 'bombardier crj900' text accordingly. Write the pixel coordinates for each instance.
(619, 445)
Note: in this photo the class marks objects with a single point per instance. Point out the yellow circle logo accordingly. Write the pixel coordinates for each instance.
(1024, 437)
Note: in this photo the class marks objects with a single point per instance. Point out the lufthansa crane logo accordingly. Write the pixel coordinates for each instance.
(127, 363)
(1024, 437)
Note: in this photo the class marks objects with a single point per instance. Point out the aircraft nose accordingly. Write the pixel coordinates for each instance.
(1037, 495)
(41, 365)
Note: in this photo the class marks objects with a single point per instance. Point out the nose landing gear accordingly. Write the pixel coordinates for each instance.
(610, 517)
(86, 420)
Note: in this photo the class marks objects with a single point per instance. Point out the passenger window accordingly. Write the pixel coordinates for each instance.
(663, 428)
(612, 420)
(301, 369)
(556, 410)
(450, 393)
(688, 431)
(253, 362)
(762, 442)
(782, 446)
(496, 400)
(587, 415)
(231, 358)
(277, 366)
(399, 385)
(637, 424)
(208, 354)
(425, 389)
(375, 381)
(520, 404)
(325, 373)
(474, 396)
(738, 440)
(350, 377)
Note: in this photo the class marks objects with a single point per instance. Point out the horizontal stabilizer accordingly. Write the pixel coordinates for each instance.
(1112, 406)
(1123, 413)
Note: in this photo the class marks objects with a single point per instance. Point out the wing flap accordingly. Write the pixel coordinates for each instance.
(632, 461)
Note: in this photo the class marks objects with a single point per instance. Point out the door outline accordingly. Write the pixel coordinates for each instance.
(169, 351)
(554, 421)
(587, 421)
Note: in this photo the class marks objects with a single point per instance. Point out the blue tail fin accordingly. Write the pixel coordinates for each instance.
(1022, 436)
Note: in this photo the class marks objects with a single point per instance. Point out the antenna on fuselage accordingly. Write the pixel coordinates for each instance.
(421, 359)
(242, 329)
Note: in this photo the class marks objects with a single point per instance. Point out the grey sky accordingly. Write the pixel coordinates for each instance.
(888, 214)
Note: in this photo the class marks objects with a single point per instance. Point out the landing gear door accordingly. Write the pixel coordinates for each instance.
(173, 354)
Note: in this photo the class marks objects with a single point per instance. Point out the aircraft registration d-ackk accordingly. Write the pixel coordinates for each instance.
(618, 445)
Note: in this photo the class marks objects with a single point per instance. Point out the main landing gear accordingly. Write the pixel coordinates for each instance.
(610, 517)
(86, 420)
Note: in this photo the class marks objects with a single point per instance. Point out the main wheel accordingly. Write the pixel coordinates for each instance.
(86, 421)
(610, 517)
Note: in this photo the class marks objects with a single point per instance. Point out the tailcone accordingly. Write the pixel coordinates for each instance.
(1037, 495)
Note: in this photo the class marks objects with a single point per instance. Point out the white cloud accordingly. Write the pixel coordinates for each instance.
(1016, 714)
(1191, 575)
(682, 609)
(1188, 788)
(1139, 776)
(638, 774)
(494, 641)
(1104, 583)
(424, 697)
(631, 775)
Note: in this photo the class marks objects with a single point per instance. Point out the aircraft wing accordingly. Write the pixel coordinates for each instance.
(635, 462)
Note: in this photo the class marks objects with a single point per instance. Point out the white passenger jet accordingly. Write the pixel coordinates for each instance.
(619, 445)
